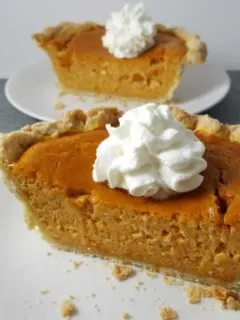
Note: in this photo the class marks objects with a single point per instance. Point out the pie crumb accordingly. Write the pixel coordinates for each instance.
(68, 308)
(49, 253)
(171, 281)
(167, 313)
(43, 292)
(126, 316)
(196, 294)
(229, 298)
(152, 275)
(60, 106)
(77, 264)
(122, 272)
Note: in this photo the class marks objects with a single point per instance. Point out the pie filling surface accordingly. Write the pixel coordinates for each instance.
(54, 162)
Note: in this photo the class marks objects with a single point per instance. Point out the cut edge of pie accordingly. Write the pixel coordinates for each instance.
(13, 145)
(78, 72)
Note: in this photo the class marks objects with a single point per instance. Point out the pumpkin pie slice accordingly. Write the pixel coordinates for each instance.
(82, 63)
(197, 234)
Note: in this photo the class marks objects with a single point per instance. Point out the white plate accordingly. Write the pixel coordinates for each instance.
(27, 269)
(34, 92)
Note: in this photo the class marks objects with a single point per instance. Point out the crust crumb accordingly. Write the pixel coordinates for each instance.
(196, 294)
(44, 292)
(60, 106)
(229, 298)
(68, 308)
(99, 117)
(122, 272)
(167, 313)
(126, 316)
(152, 275)
(77, 264)
(222, 293)
(170, 281)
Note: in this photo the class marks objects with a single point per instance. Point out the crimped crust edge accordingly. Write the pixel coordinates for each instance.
(14, 144)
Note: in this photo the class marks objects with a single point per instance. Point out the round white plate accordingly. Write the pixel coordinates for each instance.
(34, 92)
(29, 265)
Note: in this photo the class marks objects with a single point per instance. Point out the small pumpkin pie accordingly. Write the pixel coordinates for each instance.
(82, 63)
(195, 234)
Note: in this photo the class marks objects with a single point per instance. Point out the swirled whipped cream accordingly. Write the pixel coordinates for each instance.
(129, 32)
(150, 154)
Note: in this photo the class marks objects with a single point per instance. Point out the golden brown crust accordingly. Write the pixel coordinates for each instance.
(167, 313)
(14, 144)
(62, 33)
(98, 117)
(207, 126)
(197, 50)
(68, 309)
(122, 272)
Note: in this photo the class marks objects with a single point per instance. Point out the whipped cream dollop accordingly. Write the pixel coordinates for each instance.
(150, 154)
(129, 32)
